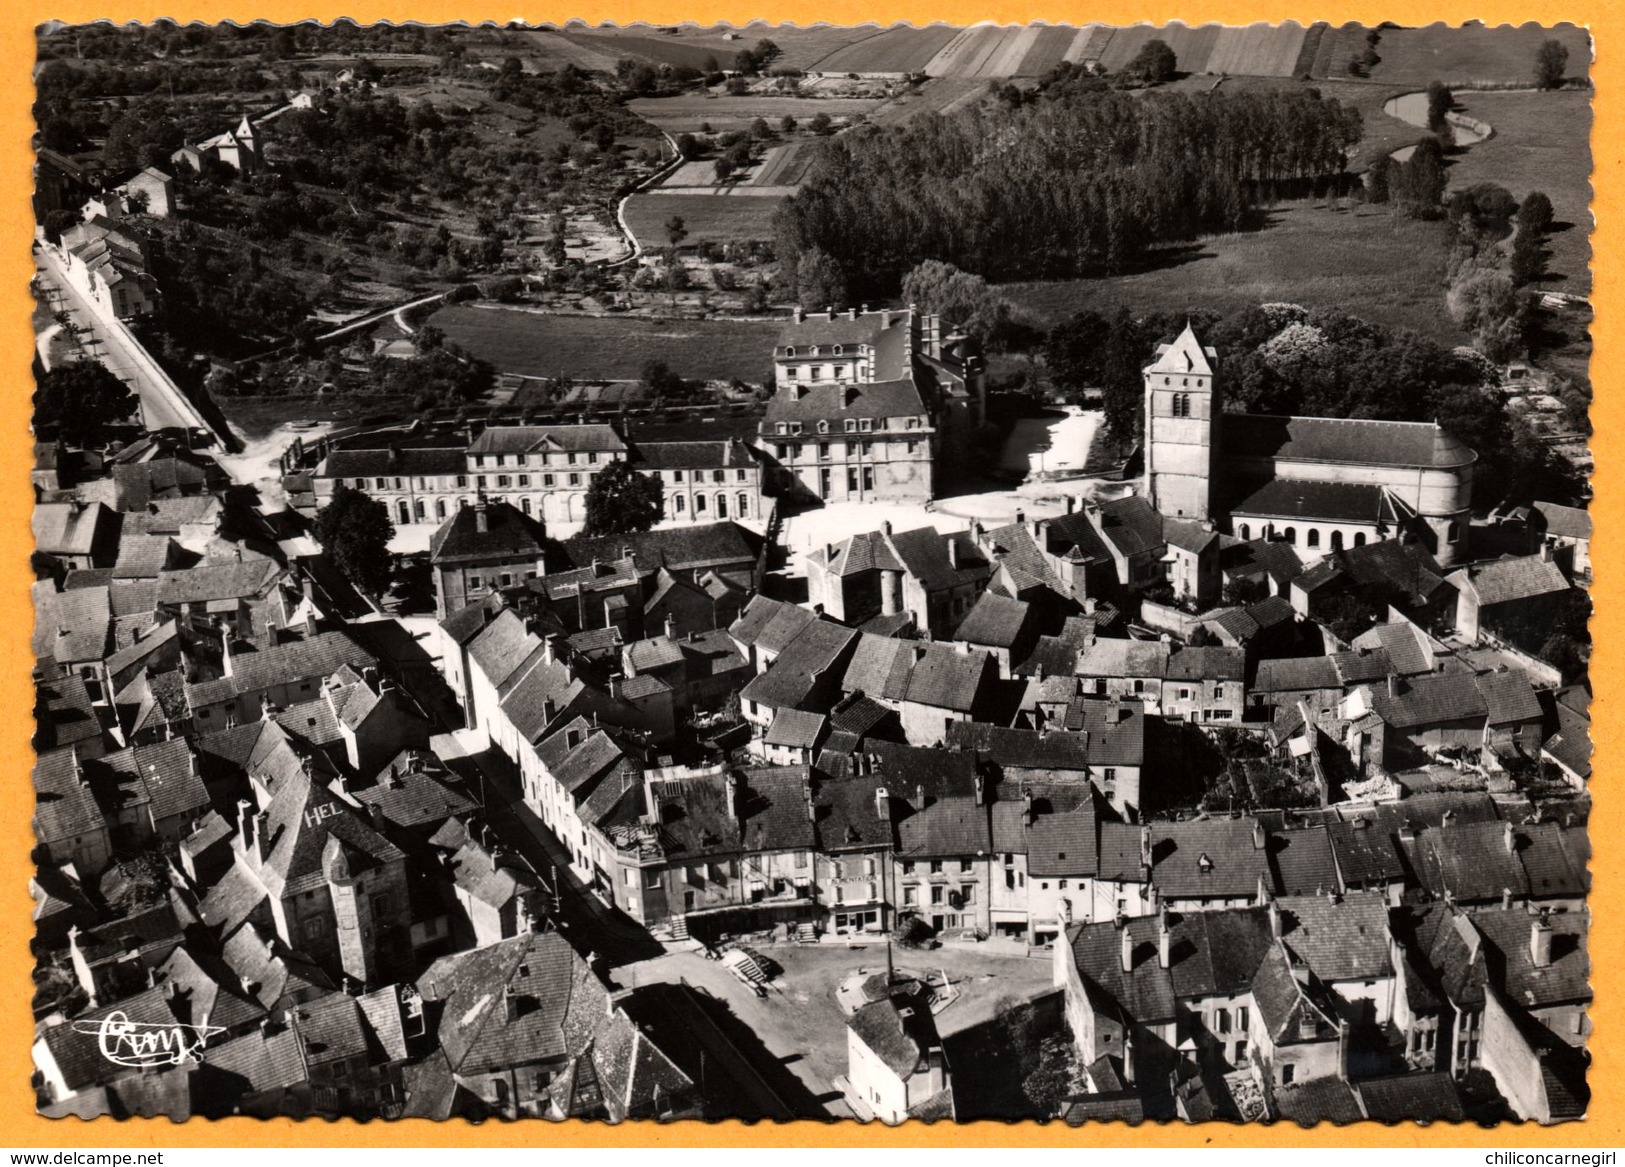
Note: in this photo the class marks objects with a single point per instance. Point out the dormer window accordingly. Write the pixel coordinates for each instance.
(852, 425)
(782, 428)
(790, 350)
(823, 427)
(838, 350)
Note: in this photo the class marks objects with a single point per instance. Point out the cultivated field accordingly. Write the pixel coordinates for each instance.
(688, 112)
(784, 165)
(535, 344)
(737, 215)
(938, 95)
(1502, 55)
(1541, 142)
(896, 50)
(798, 47)
(1370, 261)
(1259, 50)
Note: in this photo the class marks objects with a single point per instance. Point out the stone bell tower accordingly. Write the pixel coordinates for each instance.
(1182, 411)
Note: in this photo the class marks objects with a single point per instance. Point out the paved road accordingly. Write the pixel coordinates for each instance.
(162, 403)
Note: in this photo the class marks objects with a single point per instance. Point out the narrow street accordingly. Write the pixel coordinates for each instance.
(163, 406)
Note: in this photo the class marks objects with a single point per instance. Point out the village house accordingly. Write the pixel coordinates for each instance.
(107, 262)
(1501, 592)
(1567, 530)
(484, 548)
(895, 1065)
(930, 579)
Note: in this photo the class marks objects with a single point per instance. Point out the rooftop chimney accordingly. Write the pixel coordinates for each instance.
(882, 804)
(799, 314)
(1545, 552)
(953, 552)
(1259, 836)
(245, 822)
(1540, 942)
(482, 522)
(671, 627)
(1508, 840)
(1393, 684)
(1125, 944)
(262, 836)
(1165, 940)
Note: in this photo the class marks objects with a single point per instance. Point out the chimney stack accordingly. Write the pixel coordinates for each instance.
(882, 804)
(671, 626)
(1165, 940)
(800, 314)
(1343, 1043)
(245, 822)
(482, 522)
(1545, 552)
(1540, 942)
(262, 836)
(1125, 944)
(1508, 840)
(1260, 838)
(1393, 684)
(953, 553)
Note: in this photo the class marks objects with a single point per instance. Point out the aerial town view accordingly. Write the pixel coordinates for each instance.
(843, 573)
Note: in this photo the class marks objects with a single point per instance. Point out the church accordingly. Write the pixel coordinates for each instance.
(1319, 484)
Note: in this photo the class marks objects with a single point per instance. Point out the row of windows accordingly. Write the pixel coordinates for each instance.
(481, 481)
(1182, 404)
(523, 459)
(817, 372)
(506, 579)
(699, 475)
(829, 451)
(964, 894)
(679, 505)
(835, 350)
(851, 425)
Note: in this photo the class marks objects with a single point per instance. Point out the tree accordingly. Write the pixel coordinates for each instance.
(79, 400)
(1551, 59)
(959, 297)
(1154, 63)
(676, 232)
(1440, 102)
(1535, 214)
(787, 124)
(820, 282)
(661, 381)
(621, 500)
(822, 123)
(1486, 303)
(354, 530)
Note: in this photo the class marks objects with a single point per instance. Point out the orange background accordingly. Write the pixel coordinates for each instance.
(21, 1127)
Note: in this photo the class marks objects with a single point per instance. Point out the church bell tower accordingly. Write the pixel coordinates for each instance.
(1182, 410)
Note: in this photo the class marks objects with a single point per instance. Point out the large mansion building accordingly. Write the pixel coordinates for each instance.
(865, 402)
(1319, 484)
(542, 471)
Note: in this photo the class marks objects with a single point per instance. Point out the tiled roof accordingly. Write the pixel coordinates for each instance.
(1294, 674)
(796, 729)
(945, 678)
(1365, 853)
(1318, 1100)
(949, 826)
(1302, 861)
(774, 810)
(1211, 953)
(1340, 938)
(924, 553)
(1209, 663)
(1188, 536)
(316, 656)
(995, 621)
(143, 556)
(1124, 658)
(1406, 646)
(508, 533)
(69, 529)
(1292, 1004)
(1411, 1098)
(867, 551)
(847, 814)
(899, 1042)
(1564, 522)
(1234, 863)
(1571, 744)
(769, 624)
(64, 807)
(1290, 499)
(725, 453)
(1567, 979)
(832, 401)
(522, 439)
(685, 548)
(1063, 844)
(879, 667)
(1131, 524)
(217, 581)
(1508, 580)
(506, 1004)
(1352, 440)
(1509, 697)
(71, 626)
(819, 647)
(402, 461)
(696, 816)
(1430, 700)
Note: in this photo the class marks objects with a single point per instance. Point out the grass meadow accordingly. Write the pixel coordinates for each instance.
(610, 348)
